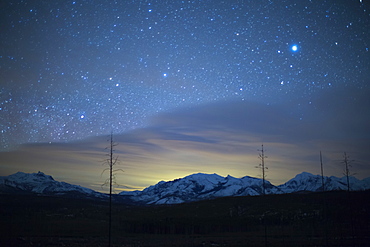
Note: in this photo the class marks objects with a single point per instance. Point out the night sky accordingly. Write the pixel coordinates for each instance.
(185, 86)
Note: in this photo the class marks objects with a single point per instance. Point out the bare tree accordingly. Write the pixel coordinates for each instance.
(325, 224)
(263, 168)
(322, 173)
(111, 161)
(347, 165)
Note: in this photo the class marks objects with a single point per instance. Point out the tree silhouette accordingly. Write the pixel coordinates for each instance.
(263, 168)
(347, 165)
(322, 173)
(324, 203)
(111, 161)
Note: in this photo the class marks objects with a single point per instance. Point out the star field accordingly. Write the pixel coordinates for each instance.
(74, 69)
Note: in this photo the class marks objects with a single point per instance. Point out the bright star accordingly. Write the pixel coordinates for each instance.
(294, 48)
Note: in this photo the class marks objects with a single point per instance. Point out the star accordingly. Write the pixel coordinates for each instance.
(294, 48)
(123, 61)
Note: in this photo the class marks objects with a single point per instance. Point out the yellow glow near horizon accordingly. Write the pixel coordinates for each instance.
(155, 158)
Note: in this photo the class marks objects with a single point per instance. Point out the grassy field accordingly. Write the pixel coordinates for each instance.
(314, 219)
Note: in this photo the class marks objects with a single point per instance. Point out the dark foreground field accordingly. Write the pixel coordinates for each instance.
(315, 219)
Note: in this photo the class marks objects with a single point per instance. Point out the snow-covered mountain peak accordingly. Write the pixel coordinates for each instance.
(201, 177)
(45, 184)
(308, 182)
(30, 177)
(199, 186)
(304, 181)
(304, 175)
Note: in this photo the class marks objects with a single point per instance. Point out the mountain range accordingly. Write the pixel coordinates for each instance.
(208, 186)
(194, 187)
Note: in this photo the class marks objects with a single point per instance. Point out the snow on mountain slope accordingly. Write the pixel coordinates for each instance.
(43, 184)
(207, 186)
(194, 187)
(341, 184)
(308, 182)
(303, 182)
(198, 187)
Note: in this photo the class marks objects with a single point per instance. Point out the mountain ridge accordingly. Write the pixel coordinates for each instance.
(194, 187)
(199, 187)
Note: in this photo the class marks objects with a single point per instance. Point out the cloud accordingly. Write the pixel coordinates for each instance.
(221, 138)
